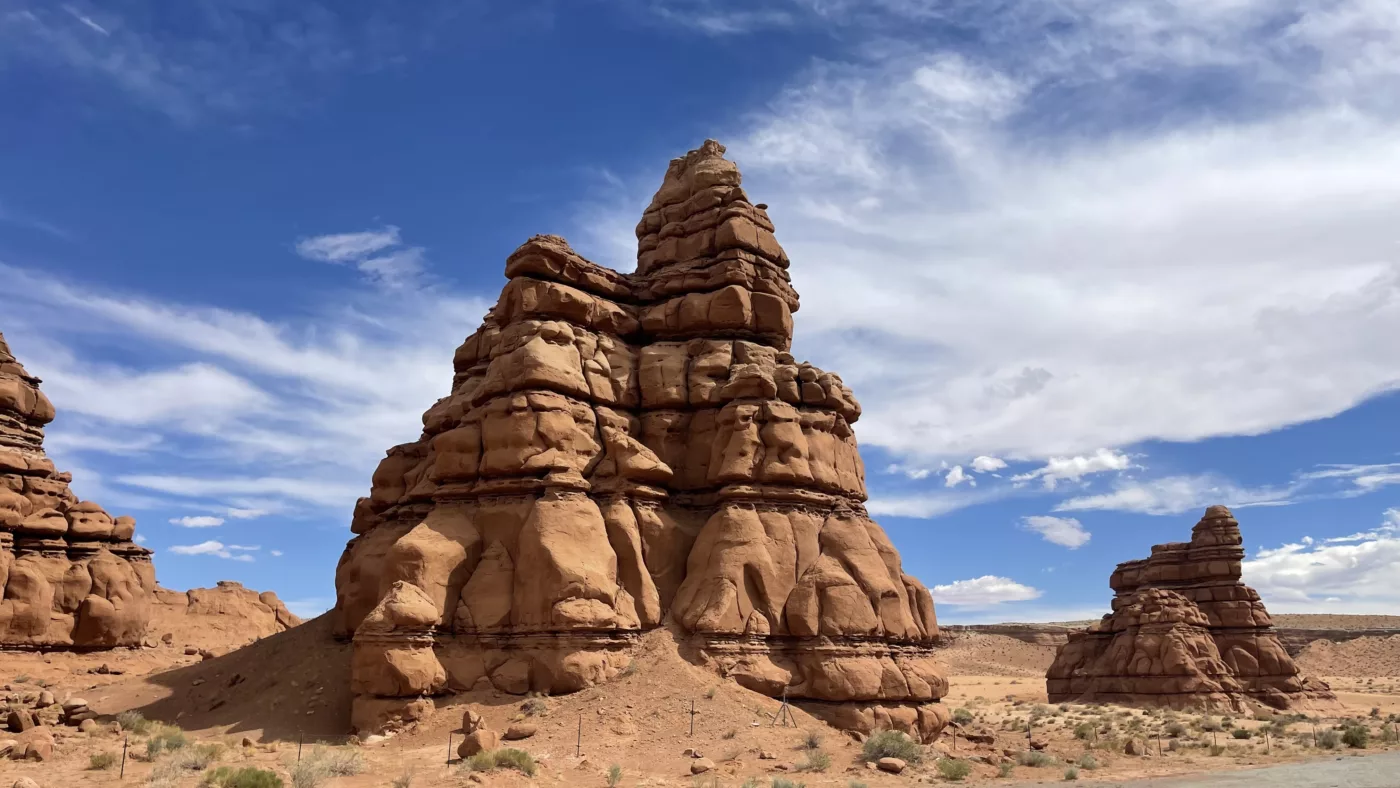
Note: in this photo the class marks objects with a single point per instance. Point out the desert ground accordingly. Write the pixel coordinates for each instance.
(280, 703)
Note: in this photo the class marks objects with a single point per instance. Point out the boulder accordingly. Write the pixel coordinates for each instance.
(701, 765)
(518, 731)
(477, 741)
(891, 765)
(25, 782)
(35, 744)
(19, 720)
(89, 726)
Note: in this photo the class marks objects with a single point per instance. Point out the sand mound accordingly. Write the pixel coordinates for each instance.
(291, 683)
(977, 654)
(1363, 657)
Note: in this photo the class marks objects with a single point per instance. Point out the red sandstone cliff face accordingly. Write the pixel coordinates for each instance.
(1184, 632)
(70, 572)
(620, 451)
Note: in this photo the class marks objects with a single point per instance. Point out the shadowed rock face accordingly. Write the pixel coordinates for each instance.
(623, 451)
(71, 574)
(1184, 632)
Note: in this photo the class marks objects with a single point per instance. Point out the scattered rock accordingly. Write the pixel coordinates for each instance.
(248, 742)
(520, 730)
(19, 720)
(167, 638)
(1132, 747)
(191, 651)
(765, 755)
(6, 747)
(701, 765)
(46, 698)
(35, 744)
(25, 782)
(691, 752)
(88, 726)
(891, 765)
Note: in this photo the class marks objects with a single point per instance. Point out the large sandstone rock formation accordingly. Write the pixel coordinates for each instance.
(620, 451)
(1184, 632)
(219, 618)
(72, 577)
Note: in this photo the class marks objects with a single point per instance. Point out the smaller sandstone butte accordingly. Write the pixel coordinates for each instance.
(1184, 632)
(220, 617)
(72, 577)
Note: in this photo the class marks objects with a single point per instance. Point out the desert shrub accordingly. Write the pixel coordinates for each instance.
(1375, 712)
(1329, 739)
(890, 744)
(1356, 737)
(814, 761)
(962, 716)
(1088, 761)
(1209, 725)
(1216, 749)
(166, 774)
(164, 738)
(783, 782)
(1389, 733)
(504, 758)
(1005, 769)
(1034, 758)
(856, 784)
(1071, 773)
(404, 780)
(534, 706)
(614, 775)
(102, 760)
(710, 693)
(1084, 731)
(1175, 730)
(630, 670)
(1240, 733)
(247, 777)
(729, 734)
(954, 769)
(812, 740)
(133, 722)
(199, 756)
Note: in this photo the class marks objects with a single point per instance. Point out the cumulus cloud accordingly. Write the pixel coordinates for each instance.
(1176, 494)
(1065, 531)
(984, 591)
(1351, 574)
(1059, 469)
(203, 521)
(956, 476)
(986, 464)
(231, 552)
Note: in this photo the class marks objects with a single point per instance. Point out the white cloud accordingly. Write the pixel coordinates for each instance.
(218, 549)
(982, 591)
(275, 553)
(986, 464)
(247, 514)
(323, 492)
(1065, 531)
(202, 521)
(1065, 175)
(1058, 469)
(1363, 478)
(927, 504)
(1176, 494)
(1353, 574)
(913, 472)
(956, 477)
(373, 252)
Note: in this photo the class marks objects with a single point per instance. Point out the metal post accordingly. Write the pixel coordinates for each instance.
(692, 717)
(955, 740)
(1159, 745)
(449, 746)
(299, 738)
(122, 776)
(578, 745)
(1314, 735)
(1268, 745)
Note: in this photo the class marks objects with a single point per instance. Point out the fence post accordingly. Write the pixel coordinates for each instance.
(449, 746)
(299, 738)
(578, 744)
(122, 776)
(692, 716)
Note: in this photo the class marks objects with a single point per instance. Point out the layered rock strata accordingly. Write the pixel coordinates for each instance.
(621, 452)
(71, 574)
(1185, 632)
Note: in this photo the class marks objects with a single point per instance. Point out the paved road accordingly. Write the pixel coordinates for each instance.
(1366, 771)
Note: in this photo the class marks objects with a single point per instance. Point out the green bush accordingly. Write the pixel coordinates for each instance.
(164, 738)
(856, 784)
(1034, 758)
(199, 756)
(783, 782)
(504, 758)
(814, 761)
(1356, 737)
(614, 775)
(812, 741)
(1329, 739)
(534, 706)
(102, 760)
(1389, 733)
(1088, 761)
(247, 777)
(1175, 730)
(962, 716)
(954, 769)
(1216, 750)
(1240, 733)
(1005, 769)
(1084, 731)
(404, 780)
(1071, 773)
(133, 722)
(891, 744)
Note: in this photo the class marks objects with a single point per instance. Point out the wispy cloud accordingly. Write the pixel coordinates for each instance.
(199, 521)
(378, 254)
(982, 592)
(1063, 531)
(1177, 494)
(1058, 469)
(231, 552)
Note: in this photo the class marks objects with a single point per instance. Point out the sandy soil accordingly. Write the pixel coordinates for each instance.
(1326, 621)
(292, 687)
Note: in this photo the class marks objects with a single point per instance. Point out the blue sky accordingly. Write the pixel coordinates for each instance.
(1090, 265)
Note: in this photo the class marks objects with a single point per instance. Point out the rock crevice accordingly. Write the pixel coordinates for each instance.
(621, 452)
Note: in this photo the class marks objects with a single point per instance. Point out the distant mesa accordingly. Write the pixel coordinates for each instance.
(623, 452)
(71, 574)
(1185, 632)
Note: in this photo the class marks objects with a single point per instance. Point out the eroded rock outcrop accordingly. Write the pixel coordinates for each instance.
(1184, 632)
(71, 574)
(624, 451)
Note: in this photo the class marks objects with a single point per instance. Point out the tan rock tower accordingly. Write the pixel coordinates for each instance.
(622, 452)
(1184, 633)
(71, 575)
